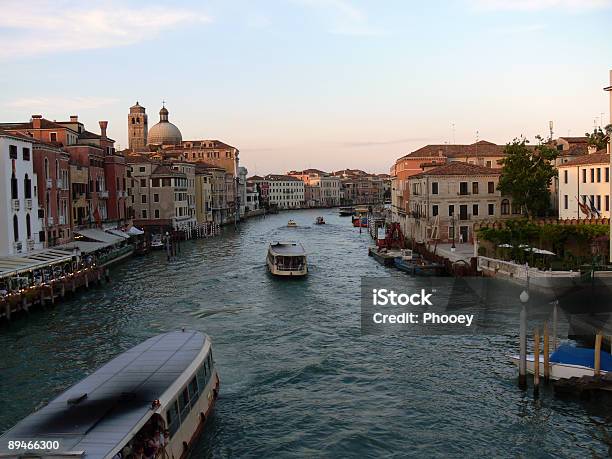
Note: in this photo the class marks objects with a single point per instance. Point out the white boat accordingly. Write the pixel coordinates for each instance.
(291, 224)
(157, 395)
(156, 242)
(569, 362)
(287, 259)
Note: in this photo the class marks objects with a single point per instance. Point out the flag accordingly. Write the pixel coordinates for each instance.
(593, 209)
(584, 208)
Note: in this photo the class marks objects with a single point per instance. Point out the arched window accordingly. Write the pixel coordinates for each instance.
(27, 186)
(137, 120)
(133, 121)
(57, 172)
(15, 228)
(28, 228)
(14, 187)
(505, 207)
(46, 168)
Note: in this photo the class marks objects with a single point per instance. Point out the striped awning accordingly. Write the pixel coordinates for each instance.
(15, 264)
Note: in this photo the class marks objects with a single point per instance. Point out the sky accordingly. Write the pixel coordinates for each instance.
(327, 84)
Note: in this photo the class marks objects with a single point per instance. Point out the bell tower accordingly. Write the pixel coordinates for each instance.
(138, 127)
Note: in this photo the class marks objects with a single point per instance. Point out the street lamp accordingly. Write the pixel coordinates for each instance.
(454, 229)
(524, 298)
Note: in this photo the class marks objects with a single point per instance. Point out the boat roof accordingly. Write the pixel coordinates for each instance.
(96, 415)
(288, 248)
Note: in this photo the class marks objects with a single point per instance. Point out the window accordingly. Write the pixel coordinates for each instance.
(143, 198)
(451, 210)
(28, 227)
(584, 175)
(144, 213)
(463, 213)
(14, 187)
(15, 228)
(475, 209)
(172, 418)
(155, 197)
(463, 188)
(142, 168)
(565, 202)
(27, 187)
(184, 406)
(156, 213)
(505, 207)
(53, 136)
(491, 209)
(607, 203)
(489, 164)
(26, 154)
(155, 182)
(13, 151)
(598, 174)
(194, 394)
(491, 187)
(607, 174)
(565, 176)
(143, 183)
(592, 175)
(474, 187)
(434, 210)
(598, 202)
(434, 188)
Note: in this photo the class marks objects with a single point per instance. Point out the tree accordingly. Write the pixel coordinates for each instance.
(599, 138)
(527, 175)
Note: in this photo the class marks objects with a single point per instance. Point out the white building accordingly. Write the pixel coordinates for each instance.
(587, 179)
(242, 189)
(19, 199)
(285, 191)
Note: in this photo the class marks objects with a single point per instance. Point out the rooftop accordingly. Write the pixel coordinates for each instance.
(599, 157)
(457, 168)
(480, 148)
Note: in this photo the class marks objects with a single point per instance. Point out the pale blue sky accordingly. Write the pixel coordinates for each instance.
(313, 83)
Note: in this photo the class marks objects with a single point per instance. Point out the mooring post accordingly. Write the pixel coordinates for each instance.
(536, 361)
(597, 365)
(554, 330)
(546, 354)
(523, 348)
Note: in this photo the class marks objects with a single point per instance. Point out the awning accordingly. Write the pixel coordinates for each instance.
(15, 264)
(85, 246)
(99, 235)
(118, 232)
(135, 231)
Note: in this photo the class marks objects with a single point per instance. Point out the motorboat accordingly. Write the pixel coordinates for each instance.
(569, 362)
(287, 259)
(292, 224)
(346, 211)
(320, 221)
(157, 242)
(413, 263)
(359, 221)
(156, 396)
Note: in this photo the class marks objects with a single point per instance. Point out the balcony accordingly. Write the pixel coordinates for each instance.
(103, 194)
(60, 184)
(15, 205)
(49, 184)
(17, 246)
(30, 244)
(28, 204)
(50, 221)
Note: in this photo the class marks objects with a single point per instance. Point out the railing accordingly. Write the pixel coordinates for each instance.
(59, 183)
(30, 244)
(17, 246)
(103, 194)
(15, 204)
(28, 204)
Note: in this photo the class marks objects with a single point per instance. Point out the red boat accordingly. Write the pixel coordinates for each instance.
(360, 222)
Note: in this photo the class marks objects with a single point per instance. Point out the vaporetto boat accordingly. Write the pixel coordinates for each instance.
(154, 398)
(287, 259)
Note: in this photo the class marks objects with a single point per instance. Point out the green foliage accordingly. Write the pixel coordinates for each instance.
(527, 174)
(599, 138)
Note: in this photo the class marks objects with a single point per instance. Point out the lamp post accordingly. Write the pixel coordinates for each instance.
(524, 298)
(454, 229)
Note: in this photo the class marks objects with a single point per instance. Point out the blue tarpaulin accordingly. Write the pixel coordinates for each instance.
(580, 356)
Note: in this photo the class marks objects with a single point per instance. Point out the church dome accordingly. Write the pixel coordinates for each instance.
(164, 132)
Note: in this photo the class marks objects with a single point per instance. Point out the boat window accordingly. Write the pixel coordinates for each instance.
(202, 380)
(193, 391)
(172, 418)
(184, 404)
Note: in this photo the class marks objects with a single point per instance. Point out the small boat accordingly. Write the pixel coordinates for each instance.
(346, 211)
(569, 362)
(414, 264)
(287, 259)
(320, 221)
(360, 222)
(164, 388)
(156, 242)
(292, 224)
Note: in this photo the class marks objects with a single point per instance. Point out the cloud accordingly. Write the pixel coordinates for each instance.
(43, 104)
(375, 143)
(538, 5)
(344, 17)
(39, 27)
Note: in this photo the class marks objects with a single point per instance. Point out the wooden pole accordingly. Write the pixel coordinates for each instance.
(554, 330)
(597, 354)
(546, 354)
(536, 361)
(523, 348)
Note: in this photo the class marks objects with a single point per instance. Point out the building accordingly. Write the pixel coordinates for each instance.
(446, 201)
(19, 204)
(609, 90)
(252, 197)
(359, 187)
(138, 127)
(262, 187)
(285, 191)
(204, 194)
(322, 189)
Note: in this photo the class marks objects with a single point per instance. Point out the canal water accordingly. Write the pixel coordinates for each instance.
(297, 377)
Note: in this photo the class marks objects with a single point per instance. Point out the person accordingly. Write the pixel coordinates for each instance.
(149, 449)
(139, 454)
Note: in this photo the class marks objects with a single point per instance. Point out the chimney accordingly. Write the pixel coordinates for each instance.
(103, 125)
(36, 121)
(74, 119)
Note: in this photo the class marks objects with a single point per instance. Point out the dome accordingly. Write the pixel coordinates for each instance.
(164, 132)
